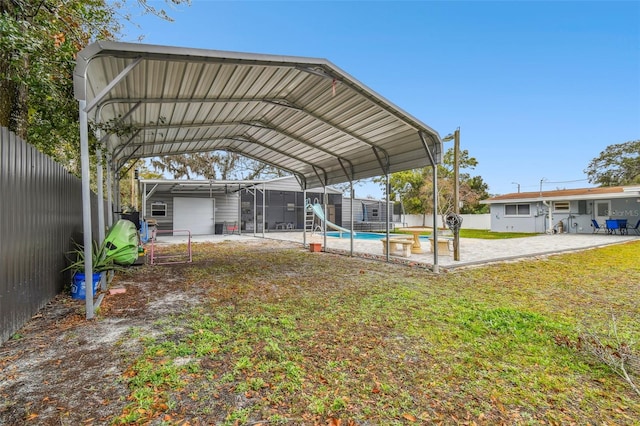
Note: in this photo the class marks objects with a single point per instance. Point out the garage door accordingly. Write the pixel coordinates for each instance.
(194, 214)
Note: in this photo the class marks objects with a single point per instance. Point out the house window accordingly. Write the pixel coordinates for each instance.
(561, 206)
(517, 210)
(374, 212)
(158, 209)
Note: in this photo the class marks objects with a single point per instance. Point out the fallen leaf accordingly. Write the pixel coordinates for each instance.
(409, 417)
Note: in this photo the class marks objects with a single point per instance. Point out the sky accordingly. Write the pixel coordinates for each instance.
(537, 88)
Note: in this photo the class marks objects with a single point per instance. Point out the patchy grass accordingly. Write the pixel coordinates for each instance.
(290, 337)
(489, 235)
(484, 234)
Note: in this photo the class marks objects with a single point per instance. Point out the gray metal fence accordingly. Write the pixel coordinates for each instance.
(40, 214)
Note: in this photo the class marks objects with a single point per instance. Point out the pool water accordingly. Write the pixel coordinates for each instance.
(370, 235)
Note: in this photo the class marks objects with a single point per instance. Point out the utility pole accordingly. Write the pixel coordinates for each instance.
(456, 190)
(456, 187)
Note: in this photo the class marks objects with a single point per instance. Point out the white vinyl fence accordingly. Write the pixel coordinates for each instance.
(469, 221)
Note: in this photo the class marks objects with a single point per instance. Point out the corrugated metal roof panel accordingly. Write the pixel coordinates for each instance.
(603, 192)
(303, 115)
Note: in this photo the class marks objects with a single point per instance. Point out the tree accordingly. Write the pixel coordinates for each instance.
(409, 185)
(415, 187)
(128, 183)
(214, 165)
(38, 43)
(618, 164)
(39, 40)
(473, 190)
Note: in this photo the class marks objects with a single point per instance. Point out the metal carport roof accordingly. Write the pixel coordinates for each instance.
(302, 115)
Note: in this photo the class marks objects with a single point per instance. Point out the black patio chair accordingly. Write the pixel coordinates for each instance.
(634, 228)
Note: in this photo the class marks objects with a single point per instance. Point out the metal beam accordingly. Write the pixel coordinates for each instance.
(259, 124)
(153, 190)
(124, 161)
(322, 179)
(279, 102)
(124, 145)
(250, 139)
(104, 92)
(384, 165)
(293, 172)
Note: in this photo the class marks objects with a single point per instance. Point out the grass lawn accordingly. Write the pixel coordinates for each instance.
(284, 336)
(488, 235)
(485, 234)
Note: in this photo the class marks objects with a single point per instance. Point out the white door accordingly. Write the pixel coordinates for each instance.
(194, 214)
(602, 211)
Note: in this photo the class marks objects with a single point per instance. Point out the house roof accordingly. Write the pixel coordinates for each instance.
(568, 194)
(302, 115)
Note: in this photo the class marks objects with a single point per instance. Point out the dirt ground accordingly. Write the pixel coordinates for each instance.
(61, 369)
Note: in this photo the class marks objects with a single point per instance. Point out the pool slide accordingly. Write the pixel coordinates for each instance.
(317, 210)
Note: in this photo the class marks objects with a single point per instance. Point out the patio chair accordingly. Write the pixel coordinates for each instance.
(622, 226)
(634, 228)
(596, 226)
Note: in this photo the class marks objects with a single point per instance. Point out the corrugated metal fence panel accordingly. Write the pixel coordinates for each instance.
(40, 213)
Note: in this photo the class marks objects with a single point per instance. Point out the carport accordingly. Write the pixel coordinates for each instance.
(302, 115)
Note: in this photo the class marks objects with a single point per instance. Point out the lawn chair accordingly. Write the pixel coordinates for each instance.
(596, 226)
(634, 228)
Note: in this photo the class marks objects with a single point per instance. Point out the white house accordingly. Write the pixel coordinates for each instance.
(566, 210)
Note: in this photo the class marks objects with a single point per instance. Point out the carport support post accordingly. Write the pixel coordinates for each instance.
(254, 190)
(143, 207)
(387, 186)
(353, 196)
(304, 218)
(434, 233)
(86, 209)
(325, 201)
(101, 227)
(116, 194)
(264, 206)
(109, 190)
(239, 225)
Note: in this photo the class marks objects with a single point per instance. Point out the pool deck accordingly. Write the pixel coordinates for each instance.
(473, 251)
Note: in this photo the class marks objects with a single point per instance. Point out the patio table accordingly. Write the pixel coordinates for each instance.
(417, 247)
(615, 225)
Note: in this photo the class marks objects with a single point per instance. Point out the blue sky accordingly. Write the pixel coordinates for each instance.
(538, 89)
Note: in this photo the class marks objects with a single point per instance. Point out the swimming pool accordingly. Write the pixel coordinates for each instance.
(371, 236)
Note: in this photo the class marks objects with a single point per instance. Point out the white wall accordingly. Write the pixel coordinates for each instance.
(469, 221)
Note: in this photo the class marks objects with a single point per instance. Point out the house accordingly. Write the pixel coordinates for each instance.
(565, 210)
(215, 207)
